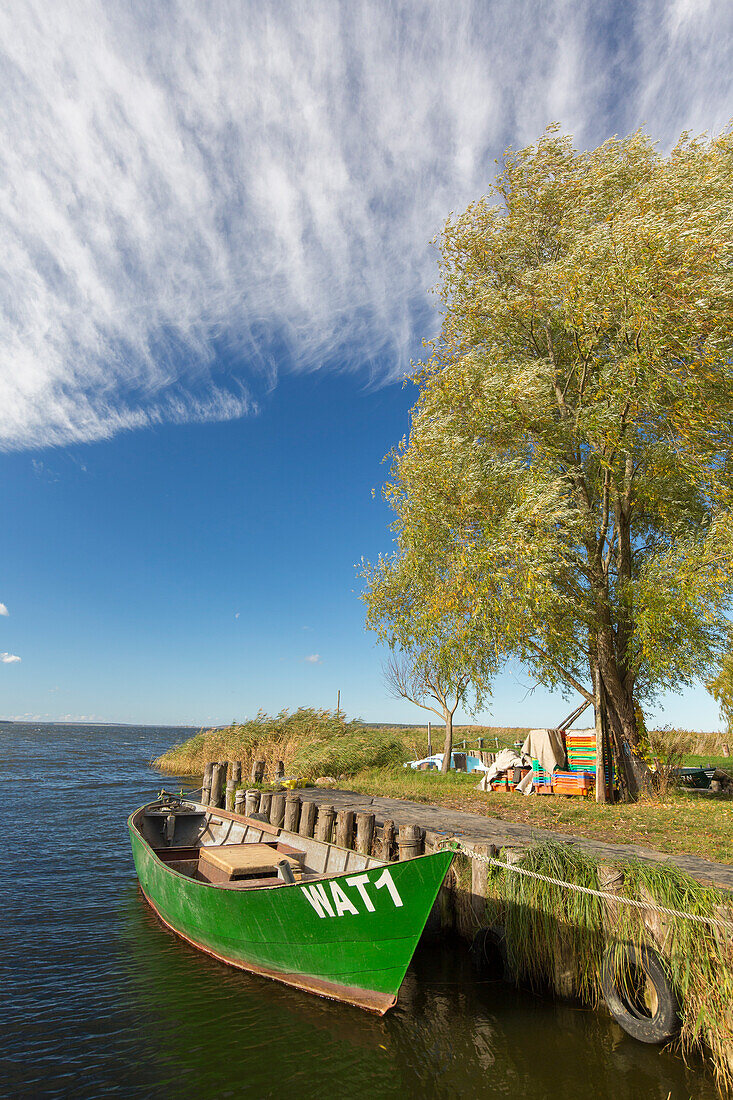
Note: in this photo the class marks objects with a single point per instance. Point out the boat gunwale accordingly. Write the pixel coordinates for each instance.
(377, 862)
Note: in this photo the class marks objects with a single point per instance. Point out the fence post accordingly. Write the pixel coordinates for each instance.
(364, 833)
(345, 828)
(292, 811)
(218, 775)
(206, 785)
(229, 801)
(277, 809)
(479, 882)
(307, 819)
(388, 832)
(324, 824)
(410, 841)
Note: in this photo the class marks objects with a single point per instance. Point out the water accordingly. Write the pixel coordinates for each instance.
(99, 999)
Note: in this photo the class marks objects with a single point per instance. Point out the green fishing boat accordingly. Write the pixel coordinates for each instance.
(313, 915)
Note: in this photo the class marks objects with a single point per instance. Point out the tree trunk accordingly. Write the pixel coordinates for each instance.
(448, 745)
(620, 712)
(601, 793)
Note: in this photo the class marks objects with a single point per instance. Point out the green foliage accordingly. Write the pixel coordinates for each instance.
(538, 917)
(564, 495)
(721, 689)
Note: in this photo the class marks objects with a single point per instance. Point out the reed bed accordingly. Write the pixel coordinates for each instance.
(311, 743)
(545, 925)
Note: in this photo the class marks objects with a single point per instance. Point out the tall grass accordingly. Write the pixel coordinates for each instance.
(545, 924)
(318, 742)
(688, 742)
(309, 742)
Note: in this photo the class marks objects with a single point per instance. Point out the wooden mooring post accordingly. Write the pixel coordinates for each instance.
(236, 771)
(229, 802)
(265, 803)
(206, 785)
(410, 841)
(277, 809)
(292, 811)
(324, 823)
(345, 822)
(258, 771)
(239, 800)
(218, 778)
(364, 833)
(388, 841)
(252, 802)
(307, 819)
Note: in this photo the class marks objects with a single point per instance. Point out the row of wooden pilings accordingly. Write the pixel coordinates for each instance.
(286, 809)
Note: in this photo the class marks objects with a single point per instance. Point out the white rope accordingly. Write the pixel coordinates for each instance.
(635, 902)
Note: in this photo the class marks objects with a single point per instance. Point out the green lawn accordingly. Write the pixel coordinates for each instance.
(681, 823)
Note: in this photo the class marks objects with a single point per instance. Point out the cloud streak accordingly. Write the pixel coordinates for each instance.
(3, 609)
(9, 658)
(195, 197)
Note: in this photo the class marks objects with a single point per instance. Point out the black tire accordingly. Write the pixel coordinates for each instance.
(628, 996)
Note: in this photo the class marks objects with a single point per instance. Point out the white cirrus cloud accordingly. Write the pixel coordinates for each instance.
(195, 196)
(313, 659)
(3, 609)
(9, 658)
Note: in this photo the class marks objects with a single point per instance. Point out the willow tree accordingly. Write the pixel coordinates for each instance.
(568, 471)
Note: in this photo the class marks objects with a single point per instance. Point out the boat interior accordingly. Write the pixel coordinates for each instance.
(235, 852)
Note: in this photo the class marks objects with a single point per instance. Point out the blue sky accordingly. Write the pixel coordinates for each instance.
(215, 234)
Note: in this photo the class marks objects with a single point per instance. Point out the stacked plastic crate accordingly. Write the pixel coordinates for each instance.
(580, 776)
(541, 779)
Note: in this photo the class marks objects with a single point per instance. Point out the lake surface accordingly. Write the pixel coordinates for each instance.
(99, 999)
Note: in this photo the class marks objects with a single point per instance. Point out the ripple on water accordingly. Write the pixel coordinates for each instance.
(101, 1000)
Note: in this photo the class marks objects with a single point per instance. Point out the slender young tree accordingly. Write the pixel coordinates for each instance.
(437, 652)
(569, 471)
(413, 676)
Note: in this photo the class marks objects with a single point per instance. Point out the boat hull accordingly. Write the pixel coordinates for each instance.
(349, 937)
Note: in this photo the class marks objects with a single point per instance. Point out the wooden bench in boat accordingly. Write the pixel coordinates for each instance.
(227, 862)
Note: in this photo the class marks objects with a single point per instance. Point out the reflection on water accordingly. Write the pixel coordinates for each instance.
(101, 999)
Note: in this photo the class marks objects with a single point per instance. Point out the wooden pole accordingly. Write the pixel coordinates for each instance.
(430, 738)
(265, 803)
(229, 802)
(237, 771)
(292, 811)
(324, 824)
(258, 771)
(218, 775)
(239, 800)
(251, 802)
(206, 785)
(338, 705)
(307, 819)
(600, 756)
(388, 833)
(277, 809)
(410, 841)
(364, 833)
(345, 828)
(279, 770)
(480, 882)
